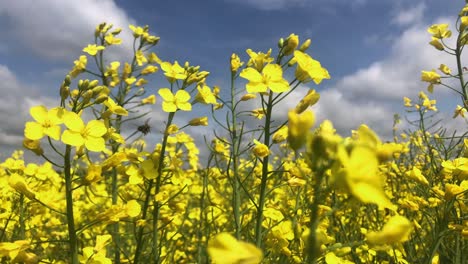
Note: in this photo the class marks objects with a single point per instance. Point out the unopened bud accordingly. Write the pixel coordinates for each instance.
(199, 121)
(280, 43)
(291, 44)
(305, 45)
(67, 80)
(64, 92)
(93, 84)
(101, 98)
(116, 32)
(87, 96)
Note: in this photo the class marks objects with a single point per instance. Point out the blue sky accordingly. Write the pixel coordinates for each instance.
(374, 50)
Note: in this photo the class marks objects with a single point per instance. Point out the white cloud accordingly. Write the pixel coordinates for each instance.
(13, 108)
(270, 4)
(56, 29)
(372, 95)
(408, 16)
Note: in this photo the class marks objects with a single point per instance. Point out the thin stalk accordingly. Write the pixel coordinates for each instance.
(157, 207)
(263, 184)
(235, 162)
(139, 236)
(312, 250)
(73, 241)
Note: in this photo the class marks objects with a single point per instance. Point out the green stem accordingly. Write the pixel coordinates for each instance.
(235, 162)
(458, 52)
(312, 249)
(139, 236)
(263, 184)
(69, 199)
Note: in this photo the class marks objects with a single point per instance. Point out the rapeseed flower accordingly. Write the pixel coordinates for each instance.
(309, 69)
(174, 71)
(79, 134)
(47, 123)
(225, 249)
(271, 77)
(172, 103)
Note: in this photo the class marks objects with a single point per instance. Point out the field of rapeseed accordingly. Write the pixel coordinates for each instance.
(292, 192)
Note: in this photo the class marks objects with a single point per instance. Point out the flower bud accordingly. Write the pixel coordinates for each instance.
(291, 44)
(305, 45)
(64, 92)
(260, 150)
(281, 43)
(298, 128)
(199, 121)
(248, 96)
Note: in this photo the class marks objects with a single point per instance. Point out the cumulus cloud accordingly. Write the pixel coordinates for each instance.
(268, 5)
(59, 29)
(15, 102)
(373, 94)
(408, 16)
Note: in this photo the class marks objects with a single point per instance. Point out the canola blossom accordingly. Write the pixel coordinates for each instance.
(268, 188)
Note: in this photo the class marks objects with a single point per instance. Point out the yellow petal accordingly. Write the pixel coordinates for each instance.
(33, 131)
(95, 144)
(39, 113)
(72, 138)
(53, 132)
(182, 95)
(166, 94)
(73, 122)
(133, 208)
(169, 107)
(96, 128)
(185, 106)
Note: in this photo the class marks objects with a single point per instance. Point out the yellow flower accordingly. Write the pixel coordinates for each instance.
(92, 49)
(91, 135)
(298, 128)
(464, 22)
(115, 108)
(445, 69)
(80, 66)
(18, 183)
(291, 44)
(33, 145)
(361, 176)
(47, 123)
(407, 101)
(235, 62)
(112, 40)
(199, 121)
(310, 99)
(436, 43)
(258, 60)
(430, 76)
(248, 96)
(309, 69)
(173, 71)
(260, 150)
(225, 249)
(149, 69)
(258, 113)
(204, 95)
(270, 77)
(140, 58)
(459, 111)
(397, 229)
(280, 135)
(137, 31)
(149, 100)
(440, 31)
(173, 102)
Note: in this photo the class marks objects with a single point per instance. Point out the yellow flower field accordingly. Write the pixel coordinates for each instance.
(284, 192)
